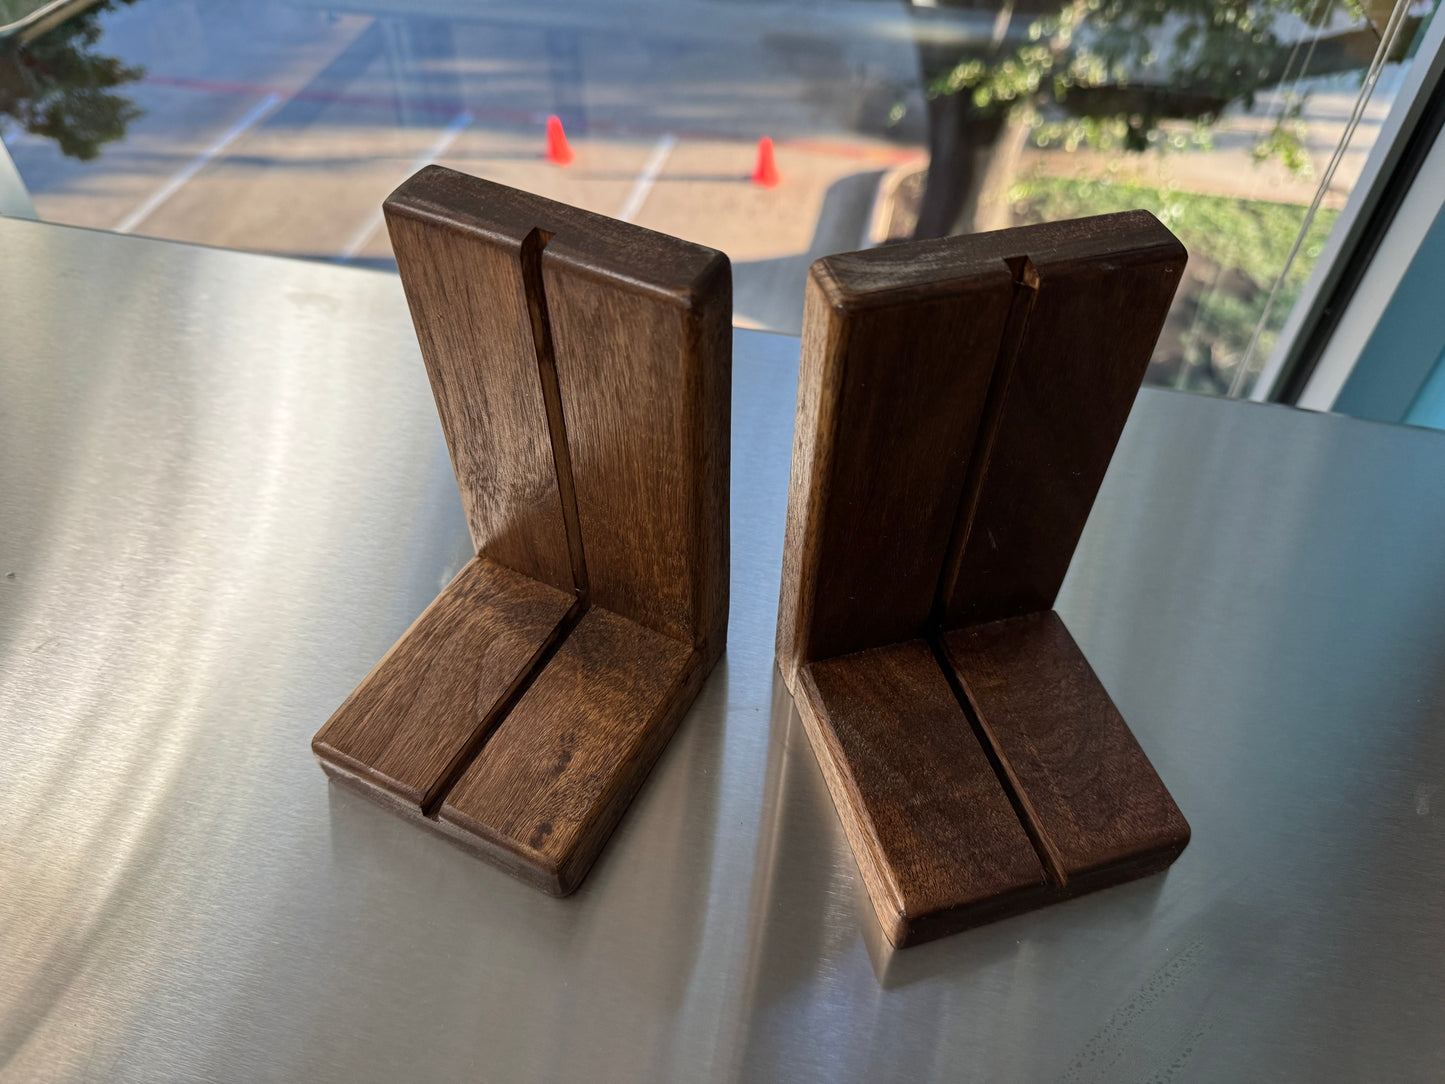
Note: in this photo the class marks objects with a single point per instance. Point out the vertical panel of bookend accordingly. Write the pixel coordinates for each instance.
(459, 250)
(642, 328)
(416, 720)
(1103, 288)
(896, 363)
(639, 327)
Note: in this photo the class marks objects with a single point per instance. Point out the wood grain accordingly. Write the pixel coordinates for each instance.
(1083, 782)
(638, 327)
(469, 305)
(959, 401)
(891, 388)
(441, 685)
(550, 785)
(1102, 287)
(582, 368)
(646, 378)
(937, 841)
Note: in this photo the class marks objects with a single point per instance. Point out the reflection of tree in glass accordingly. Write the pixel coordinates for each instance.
(1112, 73)
(56, 87)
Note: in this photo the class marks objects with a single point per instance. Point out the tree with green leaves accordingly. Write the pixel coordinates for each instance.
(1113, 74)
(58, 87)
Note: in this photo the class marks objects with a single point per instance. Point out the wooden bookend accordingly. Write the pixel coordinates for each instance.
(958, 404)
(582, 369)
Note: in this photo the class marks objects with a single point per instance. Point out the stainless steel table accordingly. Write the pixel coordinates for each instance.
(224, 493)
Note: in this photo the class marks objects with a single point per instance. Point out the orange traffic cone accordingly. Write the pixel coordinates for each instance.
(557, 149)
(765, 173)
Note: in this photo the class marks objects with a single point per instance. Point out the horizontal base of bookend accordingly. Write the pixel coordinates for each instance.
(515, 722)
(970, 796)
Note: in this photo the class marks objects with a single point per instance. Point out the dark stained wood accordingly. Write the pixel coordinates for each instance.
(1084, 784)
(1100, 299)
(646, 376)
(443, 682)
(550, 785)
(937, 842)
(959, 401)
(636, 327)
(469, 306)
(582, 369)
(892, 383)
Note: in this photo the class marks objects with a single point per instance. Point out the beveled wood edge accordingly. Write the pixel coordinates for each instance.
(882, 887)
(709, 333)
(923, 270)
(333, 760)
(945, 923)
(428, 196)
(693, 296)
(820, 387)
(970, 275)
(533, 874)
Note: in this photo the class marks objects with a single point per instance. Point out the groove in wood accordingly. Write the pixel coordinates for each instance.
(1087, 788)
(446, 680)
(886, 715)
(548, 788)
(582, 371)
(958, 404)
(535, 287)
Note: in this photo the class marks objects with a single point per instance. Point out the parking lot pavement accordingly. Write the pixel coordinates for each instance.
(281, 130)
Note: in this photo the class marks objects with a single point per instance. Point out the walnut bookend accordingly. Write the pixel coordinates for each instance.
(582, 370)
(959, 401)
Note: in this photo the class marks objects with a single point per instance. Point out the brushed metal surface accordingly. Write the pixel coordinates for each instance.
(224, 492)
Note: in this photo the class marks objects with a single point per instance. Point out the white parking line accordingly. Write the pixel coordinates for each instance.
(259, 112)
(444, 142)
(643, 185)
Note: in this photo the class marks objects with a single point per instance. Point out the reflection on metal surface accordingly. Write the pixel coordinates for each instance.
(224, 493)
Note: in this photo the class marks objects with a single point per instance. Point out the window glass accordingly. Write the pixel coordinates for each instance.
(777, 131)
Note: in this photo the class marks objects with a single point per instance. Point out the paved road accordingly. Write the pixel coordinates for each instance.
(279, 126)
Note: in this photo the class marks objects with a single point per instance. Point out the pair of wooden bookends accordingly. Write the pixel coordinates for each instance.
(959, 402)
